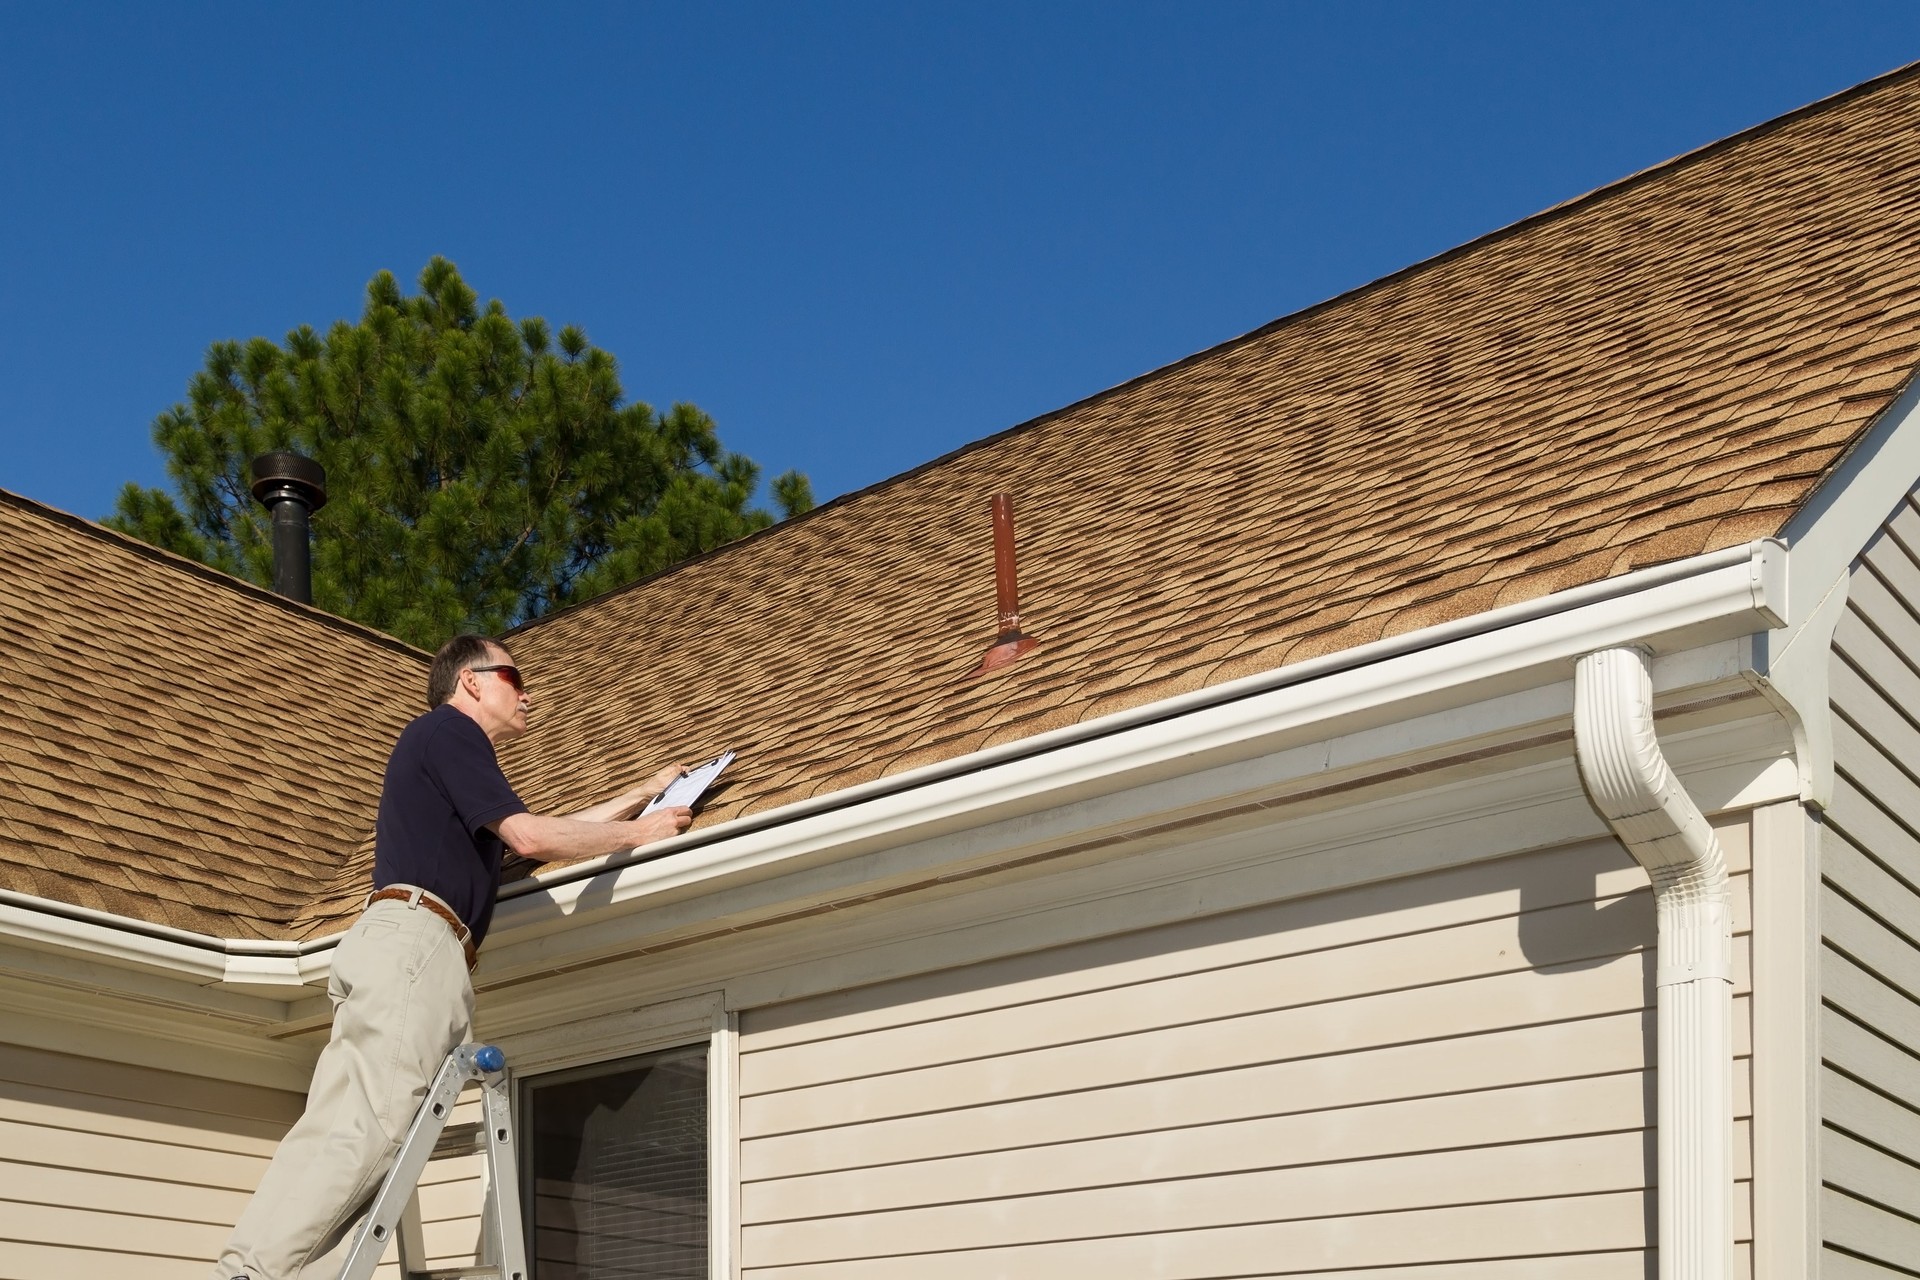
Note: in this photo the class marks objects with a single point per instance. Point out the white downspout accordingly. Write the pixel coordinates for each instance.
(1634, 790)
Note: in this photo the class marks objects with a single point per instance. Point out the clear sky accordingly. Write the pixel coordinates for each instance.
(858, 234)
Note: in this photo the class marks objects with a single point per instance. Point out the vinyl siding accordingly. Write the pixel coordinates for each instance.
(1870, 920)
(1410, 1079)
(109, 1171)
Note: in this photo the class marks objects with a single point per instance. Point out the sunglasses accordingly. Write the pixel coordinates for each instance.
(510, 674)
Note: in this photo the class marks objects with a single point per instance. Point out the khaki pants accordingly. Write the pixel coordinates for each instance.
(402, 1001)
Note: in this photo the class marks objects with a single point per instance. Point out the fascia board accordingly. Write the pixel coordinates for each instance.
(170, 1035)
(78, 971)
(1726, 595)
(275, 970)
(29, 923)
(1403, 752)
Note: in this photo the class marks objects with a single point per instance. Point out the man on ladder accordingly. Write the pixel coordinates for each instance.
(400, 987)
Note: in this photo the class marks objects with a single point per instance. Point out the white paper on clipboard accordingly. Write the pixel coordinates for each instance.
(690, 786)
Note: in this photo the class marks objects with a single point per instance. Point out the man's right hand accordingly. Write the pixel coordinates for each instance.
(662, 823)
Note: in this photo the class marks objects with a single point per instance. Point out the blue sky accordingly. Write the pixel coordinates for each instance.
(859, 235)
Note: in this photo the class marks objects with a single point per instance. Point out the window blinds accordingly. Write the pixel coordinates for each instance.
(619, 1170)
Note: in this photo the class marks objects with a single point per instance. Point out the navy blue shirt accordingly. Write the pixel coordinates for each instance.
(443, 787)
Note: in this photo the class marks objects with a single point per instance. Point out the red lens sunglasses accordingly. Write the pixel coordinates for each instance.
(508, 673)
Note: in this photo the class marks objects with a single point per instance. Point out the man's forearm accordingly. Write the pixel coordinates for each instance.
(550, 839)
(621, 806)
(629, 802)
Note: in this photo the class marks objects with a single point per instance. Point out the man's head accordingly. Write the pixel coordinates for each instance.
(477, 677)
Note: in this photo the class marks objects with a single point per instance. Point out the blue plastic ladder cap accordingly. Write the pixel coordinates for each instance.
(489, 1058)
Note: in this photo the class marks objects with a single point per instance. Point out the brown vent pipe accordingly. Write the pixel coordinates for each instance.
(1010, 644)
(292, 487)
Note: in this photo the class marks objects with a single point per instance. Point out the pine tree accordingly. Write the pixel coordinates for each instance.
(479, 473)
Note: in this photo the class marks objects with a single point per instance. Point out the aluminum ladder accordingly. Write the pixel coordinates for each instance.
(396, 1206)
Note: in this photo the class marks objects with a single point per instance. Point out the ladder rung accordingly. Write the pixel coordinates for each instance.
(456, 1273)
(460, 1140)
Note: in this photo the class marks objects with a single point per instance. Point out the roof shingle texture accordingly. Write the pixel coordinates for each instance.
(180, 748)
(1667, 367)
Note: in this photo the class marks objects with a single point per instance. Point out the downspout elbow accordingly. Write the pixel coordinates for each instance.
(1635, 790)
(1643, 802)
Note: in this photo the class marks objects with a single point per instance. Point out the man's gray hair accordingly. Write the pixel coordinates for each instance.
(455, 655)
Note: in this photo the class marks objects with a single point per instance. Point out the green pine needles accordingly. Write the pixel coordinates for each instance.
(480, 473)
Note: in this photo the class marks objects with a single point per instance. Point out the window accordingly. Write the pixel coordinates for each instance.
(617, 1156)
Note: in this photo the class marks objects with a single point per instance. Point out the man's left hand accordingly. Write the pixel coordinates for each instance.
(662, 780)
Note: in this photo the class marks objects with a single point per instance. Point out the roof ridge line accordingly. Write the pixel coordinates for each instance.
(175, 561)
(1551, 213)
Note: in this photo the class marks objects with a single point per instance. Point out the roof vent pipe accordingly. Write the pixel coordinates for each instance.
(1010, 643)
(292, 487)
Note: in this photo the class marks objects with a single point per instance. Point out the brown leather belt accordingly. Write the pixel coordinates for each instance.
(420, 897)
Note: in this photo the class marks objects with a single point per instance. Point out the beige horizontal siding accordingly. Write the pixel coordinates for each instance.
(1563, 935)
(30, 1260)
(1558, 1110)
(1850, 1162)
(1853, 1108)
(1855, 1052)
(1542, 1232)
(1859, 1228)
(1870, 919)
(1497, 1003)
(26, 1187)
(109, 1171)
(1461, 895)
(1839, 1266)
(113, 1154)
(1337, 1088)
(112, 1171)
(1404, 1078)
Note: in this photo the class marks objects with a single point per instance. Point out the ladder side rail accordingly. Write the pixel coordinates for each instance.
(506, 1234)
(370, 1241)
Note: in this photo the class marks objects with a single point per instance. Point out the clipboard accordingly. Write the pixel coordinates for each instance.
(690, 786)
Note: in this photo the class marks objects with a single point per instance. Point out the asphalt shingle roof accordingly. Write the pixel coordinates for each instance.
(179, 747)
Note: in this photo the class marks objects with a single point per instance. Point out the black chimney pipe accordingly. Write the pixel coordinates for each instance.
(292, 487)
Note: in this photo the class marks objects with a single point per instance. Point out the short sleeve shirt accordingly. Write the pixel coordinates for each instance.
(443, 787)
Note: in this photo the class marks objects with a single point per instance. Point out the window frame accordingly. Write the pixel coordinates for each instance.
(611, 1038)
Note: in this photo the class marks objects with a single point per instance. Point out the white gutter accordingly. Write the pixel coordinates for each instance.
(198, 957)
(1636, 792)
(1736, 591)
